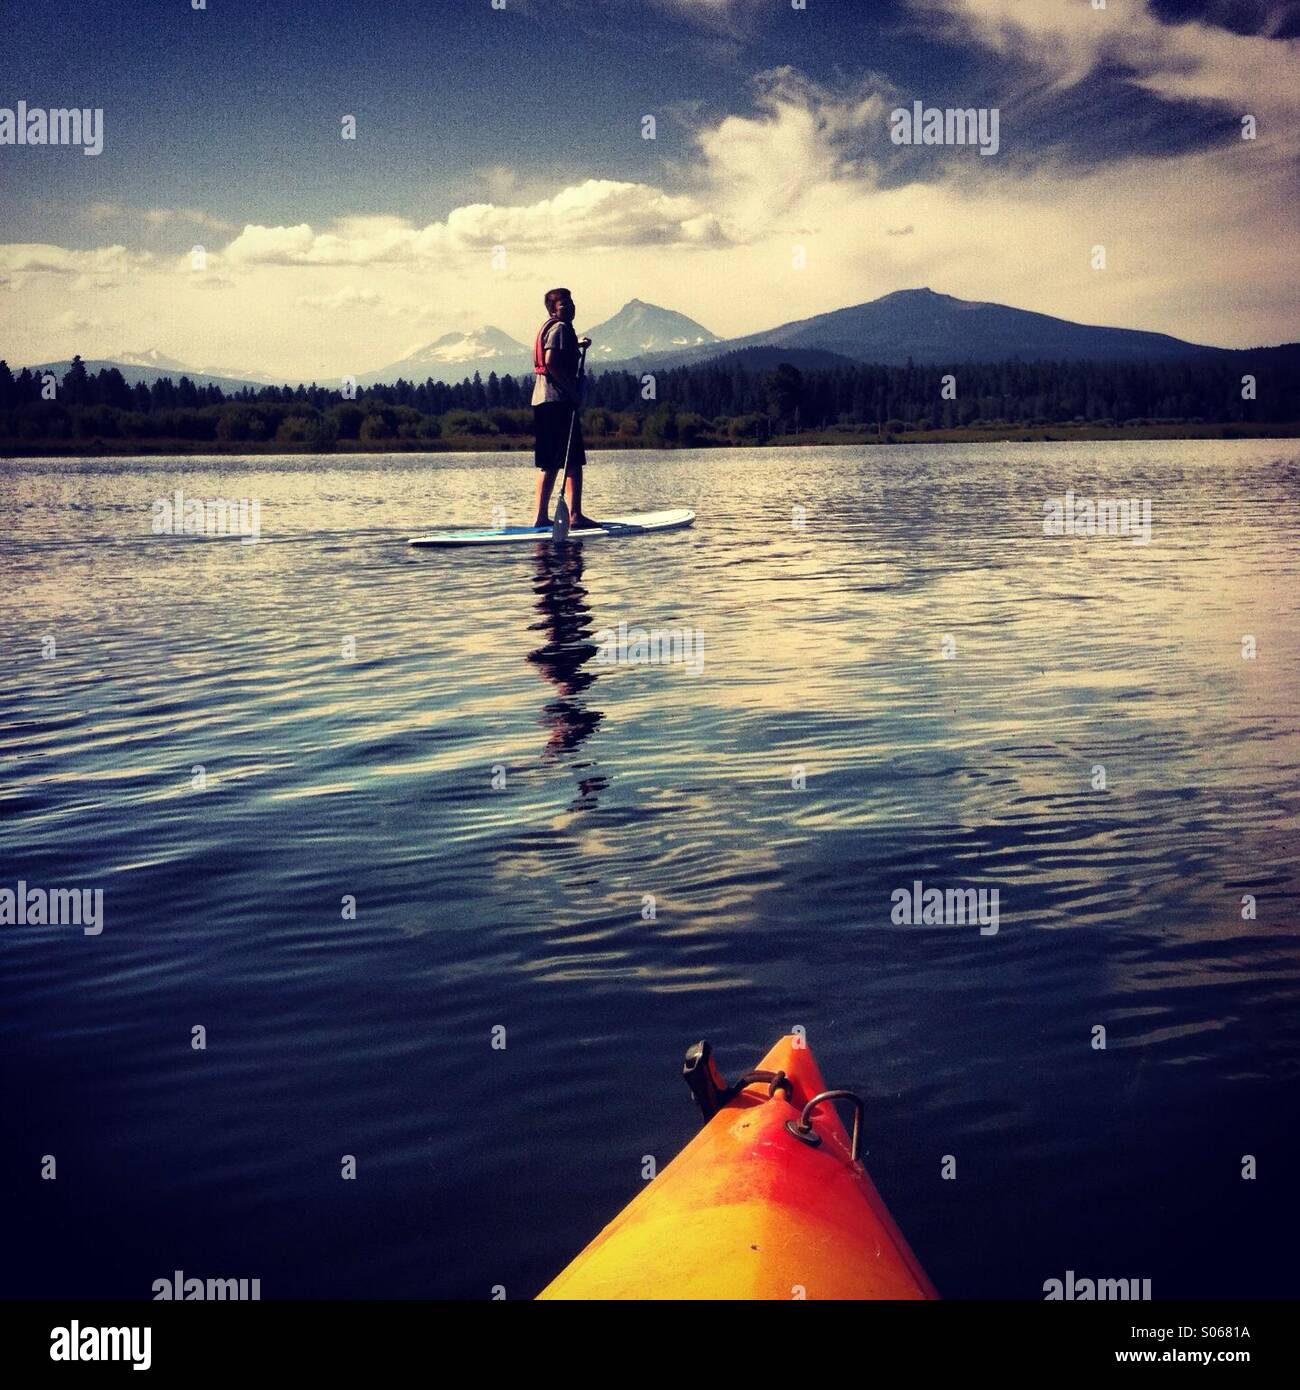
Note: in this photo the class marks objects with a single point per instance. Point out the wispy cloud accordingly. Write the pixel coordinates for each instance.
(349, 297)
(1192, 61)
(100, 212)
(103, 267)
(72, 322)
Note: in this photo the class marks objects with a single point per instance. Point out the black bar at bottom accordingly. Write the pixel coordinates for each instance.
(201, 1339)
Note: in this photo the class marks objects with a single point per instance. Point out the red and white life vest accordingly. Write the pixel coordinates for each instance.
(539, 346)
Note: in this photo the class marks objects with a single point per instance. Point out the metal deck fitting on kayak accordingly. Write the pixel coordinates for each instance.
(768, 1201)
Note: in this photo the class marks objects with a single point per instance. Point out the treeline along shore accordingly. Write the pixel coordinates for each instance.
(718, 403)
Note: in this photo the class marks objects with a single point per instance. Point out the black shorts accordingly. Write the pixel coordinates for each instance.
(551, 424)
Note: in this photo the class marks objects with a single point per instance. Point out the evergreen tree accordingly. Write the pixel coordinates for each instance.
(76, 384)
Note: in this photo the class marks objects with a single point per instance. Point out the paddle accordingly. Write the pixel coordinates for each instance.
(560, 527)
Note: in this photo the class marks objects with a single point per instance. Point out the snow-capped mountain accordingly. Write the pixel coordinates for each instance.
(246, 374)
(455, 356)
(154, 360)
(157, 363)
(636, 330)
(640, 328)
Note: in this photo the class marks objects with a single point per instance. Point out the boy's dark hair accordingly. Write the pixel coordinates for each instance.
(553, 297)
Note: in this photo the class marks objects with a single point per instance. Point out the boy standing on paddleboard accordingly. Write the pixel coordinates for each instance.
(555, 404)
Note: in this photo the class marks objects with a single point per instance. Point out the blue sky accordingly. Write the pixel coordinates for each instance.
(1119, 128)
(202, 106)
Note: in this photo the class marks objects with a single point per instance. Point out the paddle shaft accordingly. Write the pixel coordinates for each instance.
(560, 527)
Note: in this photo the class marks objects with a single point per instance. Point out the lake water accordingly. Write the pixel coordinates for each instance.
(914, 684)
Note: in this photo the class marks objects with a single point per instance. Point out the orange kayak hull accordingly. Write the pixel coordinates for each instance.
(748, 1211)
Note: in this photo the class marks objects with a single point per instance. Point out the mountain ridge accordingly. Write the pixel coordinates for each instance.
(918, 324)
(134, 373)
(931, 328)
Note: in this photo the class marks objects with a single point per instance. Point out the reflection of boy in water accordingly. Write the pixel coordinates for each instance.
(555, 405)
(566, 621)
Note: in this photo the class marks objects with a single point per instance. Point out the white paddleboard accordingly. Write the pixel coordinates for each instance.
(615, 526)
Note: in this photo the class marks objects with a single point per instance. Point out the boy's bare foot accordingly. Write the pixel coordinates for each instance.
(583, 523)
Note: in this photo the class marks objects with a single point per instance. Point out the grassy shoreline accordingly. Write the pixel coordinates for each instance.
(990, 434)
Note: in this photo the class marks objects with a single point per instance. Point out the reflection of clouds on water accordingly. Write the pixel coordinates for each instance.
(562, 660)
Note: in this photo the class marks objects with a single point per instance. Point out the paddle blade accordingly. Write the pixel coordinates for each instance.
(560, 527)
